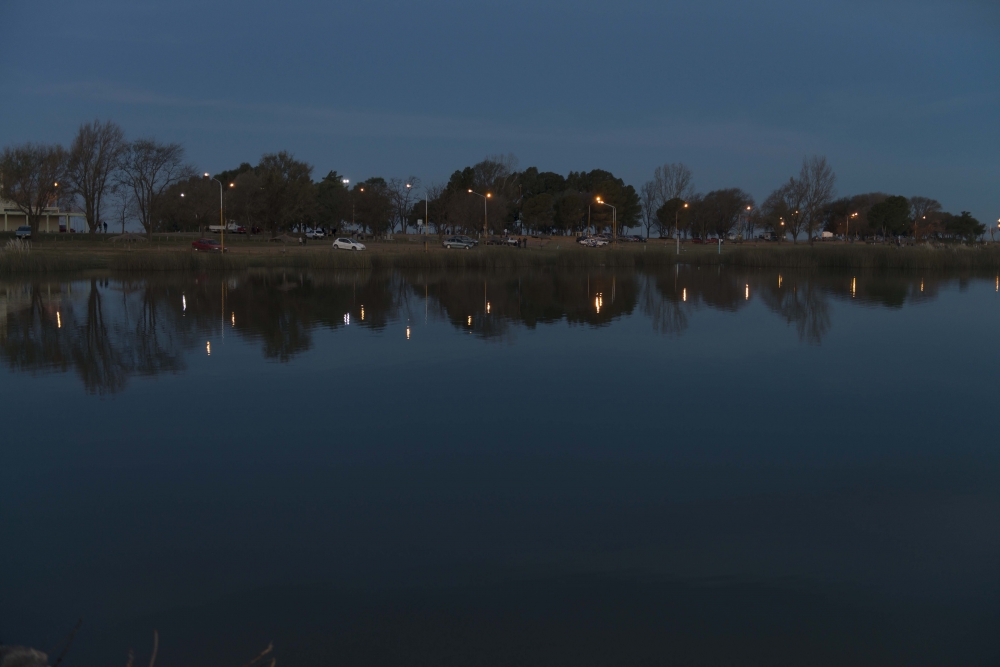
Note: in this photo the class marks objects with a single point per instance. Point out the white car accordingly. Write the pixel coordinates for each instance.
(347, 244)
(315, 234)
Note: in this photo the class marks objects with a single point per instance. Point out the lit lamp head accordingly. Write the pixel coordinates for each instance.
(488, 195)
(206, 175)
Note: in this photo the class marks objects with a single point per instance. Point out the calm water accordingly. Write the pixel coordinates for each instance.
(695, 467)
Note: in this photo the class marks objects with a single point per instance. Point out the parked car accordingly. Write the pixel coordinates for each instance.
(207, 245)
(514, 241)
(635, 238)
(459, 242)
(23, 232)
(347, 244)
(468, 239)
(315, 234)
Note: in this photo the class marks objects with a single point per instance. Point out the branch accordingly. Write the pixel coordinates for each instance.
(260, 656)
(156, 646)
(69, 642)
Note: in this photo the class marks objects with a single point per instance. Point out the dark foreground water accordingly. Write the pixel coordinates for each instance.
(698, 467)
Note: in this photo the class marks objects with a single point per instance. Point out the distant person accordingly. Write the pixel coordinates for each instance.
(105, 228)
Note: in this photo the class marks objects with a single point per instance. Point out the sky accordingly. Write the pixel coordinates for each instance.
(900, 97)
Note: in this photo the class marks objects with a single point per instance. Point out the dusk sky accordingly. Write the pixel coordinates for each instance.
(901, 97)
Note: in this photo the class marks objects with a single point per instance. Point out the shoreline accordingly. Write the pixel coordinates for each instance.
(62, 255)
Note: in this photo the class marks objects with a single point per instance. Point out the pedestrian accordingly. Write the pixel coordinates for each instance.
(105, 228)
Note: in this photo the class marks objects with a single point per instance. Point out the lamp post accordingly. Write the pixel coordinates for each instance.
(847, 235)
(677, 234)
(614, 219)
(222, 220)
(485, 197)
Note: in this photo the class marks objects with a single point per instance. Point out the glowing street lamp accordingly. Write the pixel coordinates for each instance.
(847, 235)
(677, 233)
(485, 197)
(614, 219)
(222, 217)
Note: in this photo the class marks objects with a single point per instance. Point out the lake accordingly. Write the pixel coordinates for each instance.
(695, 466)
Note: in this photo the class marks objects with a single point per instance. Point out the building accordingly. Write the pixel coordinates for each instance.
(53, 219)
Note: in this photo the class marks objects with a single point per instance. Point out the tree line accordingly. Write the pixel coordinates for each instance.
(115, 180)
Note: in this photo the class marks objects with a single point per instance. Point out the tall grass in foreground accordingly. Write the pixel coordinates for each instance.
(867, 257)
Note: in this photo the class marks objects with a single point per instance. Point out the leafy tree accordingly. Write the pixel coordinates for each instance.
(964, 226)
(723, 209)
(672, 216)
(373, 205)
(571, 209)
(29, 175)
(287, 188)
(190, 204)
(333, 200)
(892, 216)
(538, 211)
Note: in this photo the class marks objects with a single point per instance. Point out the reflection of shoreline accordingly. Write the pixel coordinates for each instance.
(108, 331)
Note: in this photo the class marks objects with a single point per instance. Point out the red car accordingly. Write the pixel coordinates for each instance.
(208, 245)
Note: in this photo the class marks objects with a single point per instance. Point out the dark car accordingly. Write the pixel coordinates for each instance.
(23, 232)
(207, 245)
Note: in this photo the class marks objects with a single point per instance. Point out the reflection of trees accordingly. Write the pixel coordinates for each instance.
(488, 303)
(682, 289)
(667, 315)
(282, 310)
(710, 286)
(105, 343)
(108, 332)
(891, 290)
(799, 300)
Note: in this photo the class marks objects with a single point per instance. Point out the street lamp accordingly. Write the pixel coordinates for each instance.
(677, 234)
(222, 219)
(847, 235)
(614, 219)
(485, 197)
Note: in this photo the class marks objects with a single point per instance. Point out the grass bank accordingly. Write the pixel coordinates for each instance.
(556, 255)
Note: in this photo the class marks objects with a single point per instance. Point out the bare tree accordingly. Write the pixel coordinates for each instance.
(816, 184)
(436, 208)
(672, 181)
(124, 204)
(924, 208)
(780, 211)
(29, 178)
(801, 203)
(497, 174)
(93, 158)
(402, 193)
(147, 168)
(649, 199)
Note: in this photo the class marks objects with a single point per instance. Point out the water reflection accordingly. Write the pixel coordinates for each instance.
(109, 330)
